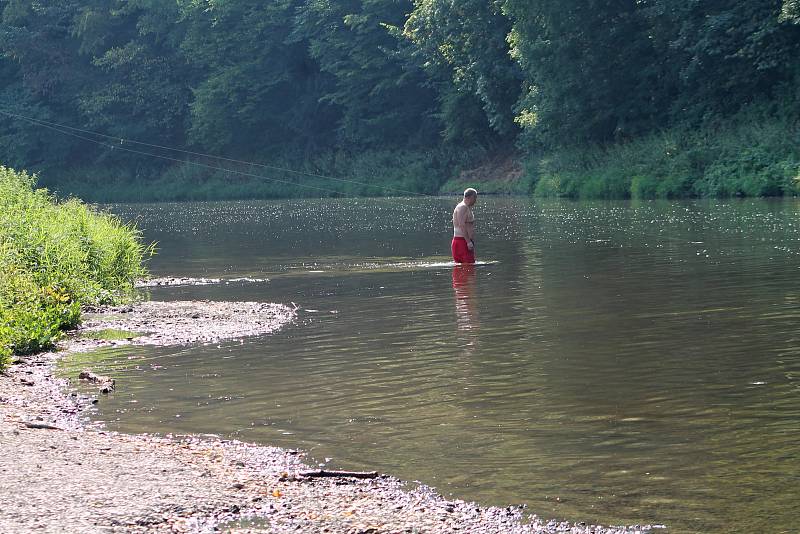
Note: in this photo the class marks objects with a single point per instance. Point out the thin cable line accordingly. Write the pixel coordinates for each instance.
(62, 128)
(112, 147)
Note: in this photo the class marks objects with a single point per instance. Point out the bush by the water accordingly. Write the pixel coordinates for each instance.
(54, 258)
(754, 154)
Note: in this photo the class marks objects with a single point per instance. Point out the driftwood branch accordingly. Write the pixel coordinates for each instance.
(350, 474)
(44, 426)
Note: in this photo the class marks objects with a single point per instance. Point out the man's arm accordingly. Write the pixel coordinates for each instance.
(469, 228)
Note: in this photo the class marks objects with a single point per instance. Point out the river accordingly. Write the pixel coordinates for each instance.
(612, 362)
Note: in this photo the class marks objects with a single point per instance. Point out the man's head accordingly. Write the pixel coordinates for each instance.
(470, 196)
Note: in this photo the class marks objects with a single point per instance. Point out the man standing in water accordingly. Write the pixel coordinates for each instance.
(463, 228)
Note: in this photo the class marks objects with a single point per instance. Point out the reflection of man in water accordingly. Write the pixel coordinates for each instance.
(464, 285)
(463, 228)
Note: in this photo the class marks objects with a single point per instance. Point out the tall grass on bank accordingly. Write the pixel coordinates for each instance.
(754, 154)
(54, 258)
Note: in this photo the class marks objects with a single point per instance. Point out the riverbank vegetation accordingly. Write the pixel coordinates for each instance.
(165, 101)
(755, 153)
(56, 257)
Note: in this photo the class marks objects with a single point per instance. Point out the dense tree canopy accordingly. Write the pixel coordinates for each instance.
(284, 79)
(462, 44)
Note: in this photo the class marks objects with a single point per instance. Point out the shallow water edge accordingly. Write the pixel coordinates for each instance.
(68, 474)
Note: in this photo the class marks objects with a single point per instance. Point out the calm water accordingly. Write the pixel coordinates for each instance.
(613, 362)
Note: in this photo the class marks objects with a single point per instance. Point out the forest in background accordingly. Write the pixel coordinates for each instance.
(591, 98)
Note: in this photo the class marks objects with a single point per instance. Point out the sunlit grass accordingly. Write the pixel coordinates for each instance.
(56, 257)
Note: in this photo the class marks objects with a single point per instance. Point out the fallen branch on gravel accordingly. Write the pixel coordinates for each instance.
(44, 426)
(351, 474)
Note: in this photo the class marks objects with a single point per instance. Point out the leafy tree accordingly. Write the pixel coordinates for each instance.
(255, 87)
(44, 70)
(463, 44)
(724, 53)
(381, 91)
(86, 64)
(790, 11)
(591, 72)
(139, 88)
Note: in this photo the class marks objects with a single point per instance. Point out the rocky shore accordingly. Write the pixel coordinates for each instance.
(58, 473)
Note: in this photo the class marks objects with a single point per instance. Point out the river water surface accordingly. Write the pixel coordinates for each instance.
(610, 362)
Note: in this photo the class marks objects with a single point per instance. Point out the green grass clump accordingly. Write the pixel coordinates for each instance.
(756, 153)
(54, 258)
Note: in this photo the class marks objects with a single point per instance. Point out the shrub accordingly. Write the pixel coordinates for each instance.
(756, 153)
(55, 258)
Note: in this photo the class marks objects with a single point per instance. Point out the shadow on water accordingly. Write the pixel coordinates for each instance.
(611, 362)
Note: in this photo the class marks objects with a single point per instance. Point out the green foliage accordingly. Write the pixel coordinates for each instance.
(790, 11)
(756, 153)
(753, 159)
(255, 88)
(298, 81)
(591, 71)
(462, 44)
(603, 71)
(358, 173)
(721, 55)
(32, 316)
(373, 81)
(54, 258)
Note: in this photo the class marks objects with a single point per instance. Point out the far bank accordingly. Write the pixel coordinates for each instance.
(754, 154)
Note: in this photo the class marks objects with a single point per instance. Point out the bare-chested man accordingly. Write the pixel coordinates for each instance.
(463, 228)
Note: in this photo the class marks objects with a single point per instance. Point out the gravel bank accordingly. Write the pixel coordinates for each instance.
(181, 322)
(60, 474)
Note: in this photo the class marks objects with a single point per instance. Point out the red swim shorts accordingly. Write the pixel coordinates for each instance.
(462, 254)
